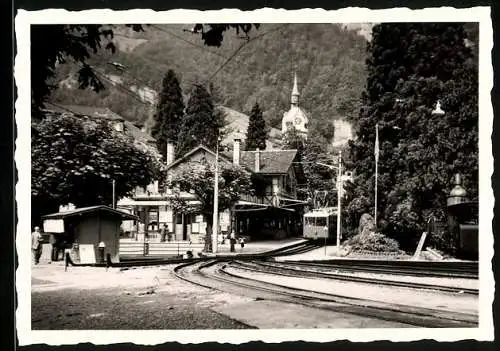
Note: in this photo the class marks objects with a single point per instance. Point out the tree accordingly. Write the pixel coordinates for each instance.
(75, 161)
(411, 66)
(317, 177)
(169, 113)
(201, 123)
(198, 179)
(256, 131)
(52, 45)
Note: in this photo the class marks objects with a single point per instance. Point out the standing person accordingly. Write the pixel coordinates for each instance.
(242, 243)
(163, 232)
(36, 245)
(169, 234)
(55, 247)
(232, 241)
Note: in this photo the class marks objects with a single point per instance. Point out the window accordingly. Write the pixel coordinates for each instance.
(178, 218)
(316, 221)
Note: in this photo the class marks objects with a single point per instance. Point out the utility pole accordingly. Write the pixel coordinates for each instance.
(339, 197)
(215, 221)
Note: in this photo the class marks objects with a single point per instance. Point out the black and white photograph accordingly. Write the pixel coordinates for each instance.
(250, 175)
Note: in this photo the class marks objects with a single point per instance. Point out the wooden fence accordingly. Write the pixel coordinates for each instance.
(163, 249)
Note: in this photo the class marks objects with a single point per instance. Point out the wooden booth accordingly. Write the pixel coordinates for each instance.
(84, 229)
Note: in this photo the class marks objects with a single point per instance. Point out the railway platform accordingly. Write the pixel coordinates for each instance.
(254, 247)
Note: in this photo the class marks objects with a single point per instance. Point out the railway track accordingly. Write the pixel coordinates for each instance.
(286, 270)
(214, 275)
(468, 270)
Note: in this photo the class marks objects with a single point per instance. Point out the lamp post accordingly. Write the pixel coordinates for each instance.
(215, 221)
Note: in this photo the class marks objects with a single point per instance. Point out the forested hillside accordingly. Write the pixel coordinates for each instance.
(330, 64)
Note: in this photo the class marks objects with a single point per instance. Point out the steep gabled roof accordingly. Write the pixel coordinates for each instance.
(103, 113)
(237, 124)
(193, 151)
(271, 161)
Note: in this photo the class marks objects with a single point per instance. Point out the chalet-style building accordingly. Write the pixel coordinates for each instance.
(275, 213)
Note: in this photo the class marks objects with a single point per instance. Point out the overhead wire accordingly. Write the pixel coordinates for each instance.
(149, 103)
(201, 47)
(242, 46)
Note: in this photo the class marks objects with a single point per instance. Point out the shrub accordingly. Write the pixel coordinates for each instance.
(375, 242)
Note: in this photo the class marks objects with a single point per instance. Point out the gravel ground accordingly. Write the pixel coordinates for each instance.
(119, 309)
(142, 298)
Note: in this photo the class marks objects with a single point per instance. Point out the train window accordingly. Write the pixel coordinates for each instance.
(321, 222)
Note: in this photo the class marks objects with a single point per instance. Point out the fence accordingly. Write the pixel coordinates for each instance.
(164, 249)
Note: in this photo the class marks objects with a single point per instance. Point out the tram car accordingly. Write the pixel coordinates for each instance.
(321, 224)
(463, 223)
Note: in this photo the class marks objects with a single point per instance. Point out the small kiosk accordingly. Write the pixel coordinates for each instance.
(91, 231)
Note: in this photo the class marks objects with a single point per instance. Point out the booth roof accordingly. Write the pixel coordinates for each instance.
(87, 210)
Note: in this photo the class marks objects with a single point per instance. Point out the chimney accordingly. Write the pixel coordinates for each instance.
(236, 151)
(170, 153)
(257, 160)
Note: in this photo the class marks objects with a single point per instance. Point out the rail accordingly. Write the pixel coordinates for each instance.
(220, 279)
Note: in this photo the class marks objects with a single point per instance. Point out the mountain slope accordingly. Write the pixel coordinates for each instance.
(329, 61)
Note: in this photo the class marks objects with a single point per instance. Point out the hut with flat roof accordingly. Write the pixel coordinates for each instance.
(88, 227)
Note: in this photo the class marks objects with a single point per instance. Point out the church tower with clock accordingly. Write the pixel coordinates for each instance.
(295, 117)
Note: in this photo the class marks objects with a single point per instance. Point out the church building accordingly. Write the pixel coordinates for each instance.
(295, 117)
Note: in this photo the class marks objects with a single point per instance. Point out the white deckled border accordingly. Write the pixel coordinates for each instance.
(355, 15)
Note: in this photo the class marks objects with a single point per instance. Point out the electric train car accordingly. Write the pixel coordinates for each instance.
(321, 224)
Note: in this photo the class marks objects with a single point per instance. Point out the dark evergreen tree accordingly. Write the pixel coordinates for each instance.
(256, 131)
(169, 113)
(201, 123)
(410, 67)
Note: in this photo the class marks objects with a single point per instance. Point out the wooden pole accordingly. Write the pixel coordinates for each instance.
(215, 221)
(376, 173)
(339, 198)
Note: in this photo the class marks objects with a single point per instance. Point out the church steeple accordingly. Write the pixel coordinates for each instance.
(295, 91)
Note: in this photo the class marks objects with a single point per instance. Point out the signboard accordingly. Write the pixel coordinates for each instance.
(199, 218)
(164, 218)
(53, 226)
(195, 228)
(87, 253)
(153, 216)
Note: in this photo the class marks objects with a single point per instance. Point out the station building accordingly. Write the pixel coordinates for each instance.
(274, 213)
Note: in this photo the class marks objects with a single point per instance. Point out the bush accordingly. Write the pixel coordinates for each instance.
(375, 242)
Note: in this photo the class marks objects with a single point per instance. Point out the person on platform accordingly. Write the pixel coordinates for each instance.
(36, 245)
(163, 232)
(232, 241)
(242, 242)
(169, 234)
(55, 247)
